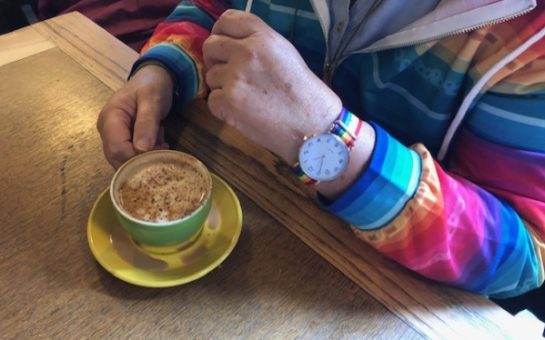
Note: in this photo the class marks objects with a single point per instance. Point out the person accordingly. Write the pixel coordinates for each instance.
(11, 16)
(440, 107)
(131, 21)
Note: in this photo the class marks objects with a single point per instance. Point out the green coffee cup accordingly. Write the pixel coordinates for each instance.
(160, 235)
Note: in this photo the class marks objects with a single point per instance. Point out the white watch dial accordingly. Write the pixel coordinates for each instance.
(323, 157)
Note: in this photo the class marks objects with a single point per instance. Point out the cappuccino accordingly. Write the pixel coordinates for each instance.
(164, 191)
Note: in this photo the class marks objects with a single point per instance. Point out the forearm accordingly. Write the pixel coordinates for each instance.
(446, 227)
(359, 161)
(456, 232)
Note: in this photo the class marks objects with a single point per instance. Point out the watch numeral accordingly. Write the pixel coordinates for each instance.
(327, 172)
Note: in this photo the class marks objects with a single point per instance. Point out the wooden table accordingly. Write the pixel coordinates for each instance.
(54, 79)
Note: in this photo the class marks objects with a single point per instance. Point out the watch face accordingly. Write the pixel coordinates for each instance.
(323, 157)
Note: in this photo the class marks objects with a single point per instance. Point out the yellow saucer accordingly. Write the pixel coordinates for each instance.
(115, 250)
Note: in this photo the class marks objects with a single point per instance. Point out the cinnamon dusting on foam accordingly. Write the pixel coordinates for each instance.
(164, 191)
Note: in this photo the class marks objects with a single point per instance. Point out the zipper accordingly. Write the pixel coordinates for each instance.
(325, 32)
(328, 75)
(463, 30)
(331, 65)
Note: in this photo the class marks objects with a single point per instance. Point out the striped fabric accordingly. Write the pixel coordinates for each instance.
(303, 177)
(347, 127)
(380, 194)
(476, 220)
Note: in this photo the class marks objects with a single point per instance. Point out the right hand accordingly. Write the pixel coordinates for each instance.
(130, 122)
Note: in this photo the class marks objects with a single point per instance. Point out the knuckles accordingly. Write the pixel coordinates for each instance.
(233, 16)
(224, 103)
(209, 43)
(209, 77)
(249, 52)
(215, 104)
(114, 152)
(230, 14)
(235, 77)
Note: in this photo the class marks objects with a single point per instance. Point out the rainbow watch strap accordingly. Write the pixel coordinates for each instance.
(347, 126)
(302, 175)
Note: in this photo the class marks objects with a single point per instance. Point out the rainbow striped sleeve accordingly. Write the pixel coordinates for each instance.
(382, 191)
(445, 227)
(177, 44)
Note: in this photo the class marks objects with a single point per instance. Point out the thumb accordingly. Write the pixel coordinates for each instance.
(149, 113)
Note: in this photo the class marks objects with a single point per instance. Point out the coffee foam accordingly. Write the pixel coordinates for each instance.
(164, 190)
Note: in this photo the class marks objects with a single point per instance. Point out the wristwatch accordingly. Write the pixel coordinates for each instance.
(325, 156)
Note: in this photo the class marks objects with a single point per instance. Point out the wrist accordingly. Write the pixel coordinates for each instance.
(155, 68)
(317, 120)
(322, 158)
(159, 74)
(360, 156)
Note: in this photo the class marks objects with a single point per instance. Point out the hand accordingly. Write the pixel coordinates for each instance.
(130, 122)
(260, 84)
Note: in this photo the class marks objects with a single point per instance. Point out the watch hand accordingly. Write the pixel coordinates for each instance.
(321, 164)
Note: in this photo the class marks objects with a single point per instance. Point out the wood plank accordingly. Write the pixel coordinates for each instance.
(91, 46)
(21, 44)
(433, 310)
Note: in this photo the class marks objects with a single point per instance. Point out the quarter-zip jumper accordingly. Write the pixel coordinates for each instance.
(455, 91)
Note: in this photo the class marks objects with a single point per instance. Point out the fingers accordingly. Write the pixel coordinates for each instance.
(220, 107)
(216, 75)
(217, 103)
(237, 24)
(129, 123)
(161, 142)
(228, 37)
(217, 49)
(114, 126)
(150, 110)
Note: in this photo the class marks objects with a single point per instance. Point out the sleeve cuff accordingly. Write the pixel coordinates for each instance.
(180, 65)
(382, 191)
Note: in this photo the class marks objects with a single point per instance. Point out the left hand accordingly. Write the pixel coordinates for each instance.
(260, 84)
